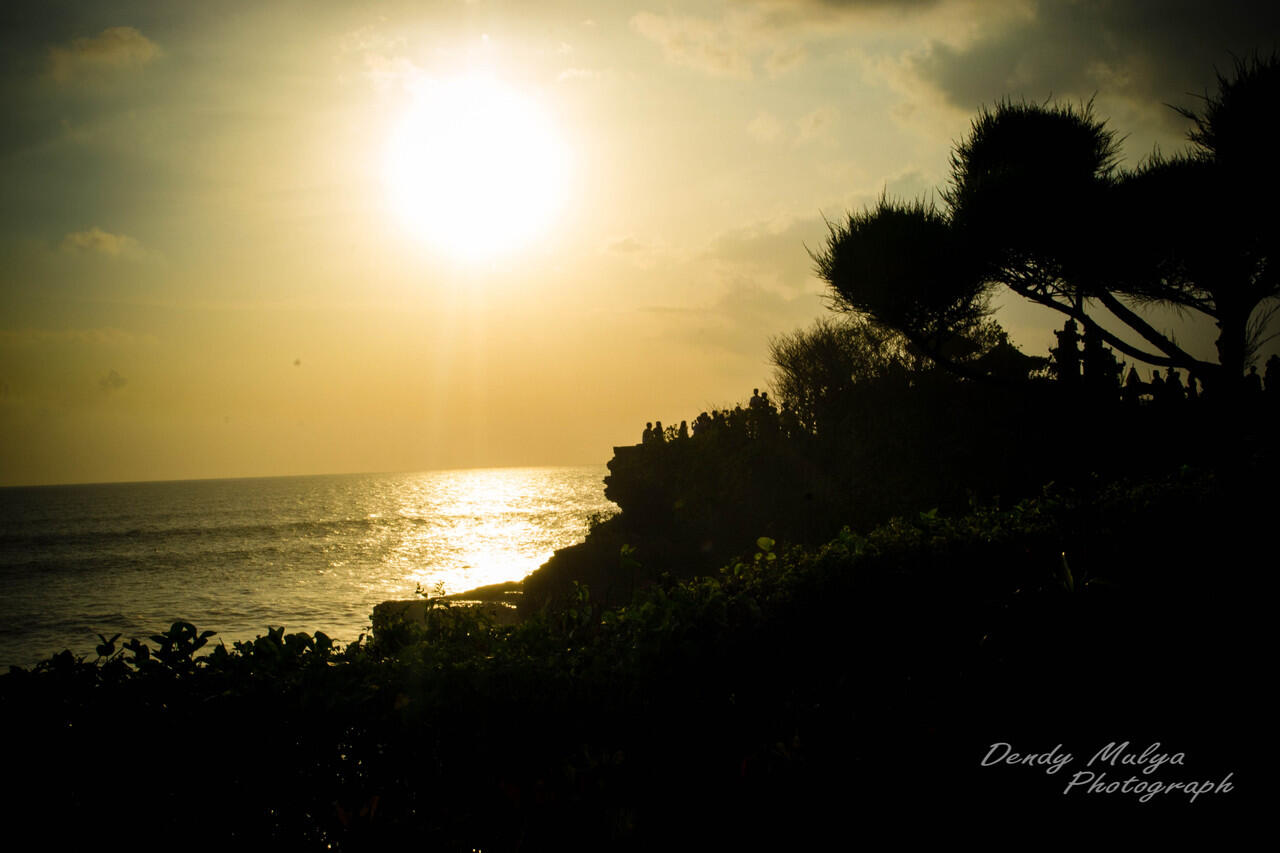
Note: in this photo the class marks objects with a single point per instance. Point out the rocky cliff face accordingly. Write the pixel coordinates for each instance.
(689, 507)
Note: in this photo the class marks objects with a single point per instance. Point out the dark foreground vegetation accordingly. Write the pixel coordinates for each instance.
(808, 622)
(796, 692)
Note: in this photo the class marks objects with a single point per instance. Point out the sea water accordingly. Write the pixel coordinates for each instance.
(237, 556)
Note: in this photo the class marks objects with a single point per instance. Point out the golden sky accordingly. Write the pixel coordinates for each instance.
(213, 261)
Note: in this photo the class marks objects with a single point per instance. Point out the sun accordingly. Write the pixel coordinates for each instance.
(474, 168)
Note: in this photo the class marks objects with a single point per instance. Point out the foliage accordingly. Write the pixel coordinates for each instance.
(732, 700)
(1027, 185)
(1037, 204)
(902, 265)
(1238, 125)
(816, 369)
(1200, 239)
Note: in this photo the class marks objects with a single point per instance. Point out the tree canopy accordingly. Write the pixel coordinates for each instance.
(1037, 204)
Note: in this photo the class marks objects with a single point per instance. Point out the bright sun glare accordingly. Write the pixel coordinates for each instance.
(474, 168)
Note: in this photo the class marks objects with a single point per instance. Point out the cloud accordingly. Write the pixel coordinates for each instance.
(767, 128)
(772, 254)
(815, 125)
(578, 74)
(639, 253)
(696, 43)
(788, 9)
(764, 128)
(785, 58)
(1146, 50)
(96, 240)
(379, 58)
(752, 282)
(774, 34)
(108, 337)
(740, 321)
(112, 381)
(389, 73)
(625, 246)
(909, 184)
(115, 48)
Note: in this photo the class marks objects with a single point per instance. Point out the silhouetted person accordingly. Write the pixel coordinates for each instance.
(789, 422)
(766, 418)
(1253, 382)
(756, 400)
(648, 434)
(1173, 386)
(657, 432)
(1157, 388)
(1132, 387)
(684, 430)
(1101, 370)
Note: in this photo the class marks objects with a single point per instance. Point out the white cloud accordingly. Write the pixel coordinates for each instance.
(115, 48)
(764, 127)
(785, 58)
(578, 74)
(697, 43)
(640, 253)
(815, 125)
(625, 246)
(740, 321)
(771, 254)
(103, 242)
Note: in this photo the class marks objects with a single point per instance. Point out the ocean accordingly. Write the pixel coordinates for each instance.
(237, 556)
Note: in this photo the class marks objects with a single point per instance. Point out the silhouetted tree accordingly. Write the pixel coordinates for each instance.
(1201, 240)
(816, 368)
(902, 266)
(1036, 204)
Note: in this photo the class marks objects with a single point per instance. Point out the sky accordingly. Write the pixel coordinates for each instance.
(220, 256)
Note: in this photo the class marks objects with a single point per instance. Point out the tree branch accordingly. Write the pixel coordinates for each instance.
(1116, 342)
(1142, 327)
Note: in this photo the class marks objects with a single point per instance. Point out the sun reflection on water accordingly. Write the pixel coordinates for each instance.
(310, 553)
(473, 528)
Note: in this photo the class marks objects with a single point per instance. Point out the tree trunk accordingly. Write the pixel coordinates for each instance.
(1232, 324)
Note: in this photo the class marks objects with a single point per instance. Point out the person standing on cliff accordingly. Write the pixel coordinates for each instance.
(1132, 387)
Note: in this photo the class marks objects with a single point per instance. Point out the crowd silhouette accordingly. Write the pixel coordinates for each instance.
(1082, 362)
(761, 419)
(1081, 366)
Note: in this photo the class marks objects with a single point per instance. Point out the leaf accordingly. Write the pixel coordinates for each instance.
(1069, 581)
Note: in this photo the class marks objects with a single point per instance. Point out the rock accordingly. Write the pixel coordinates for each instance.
(498, 602)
